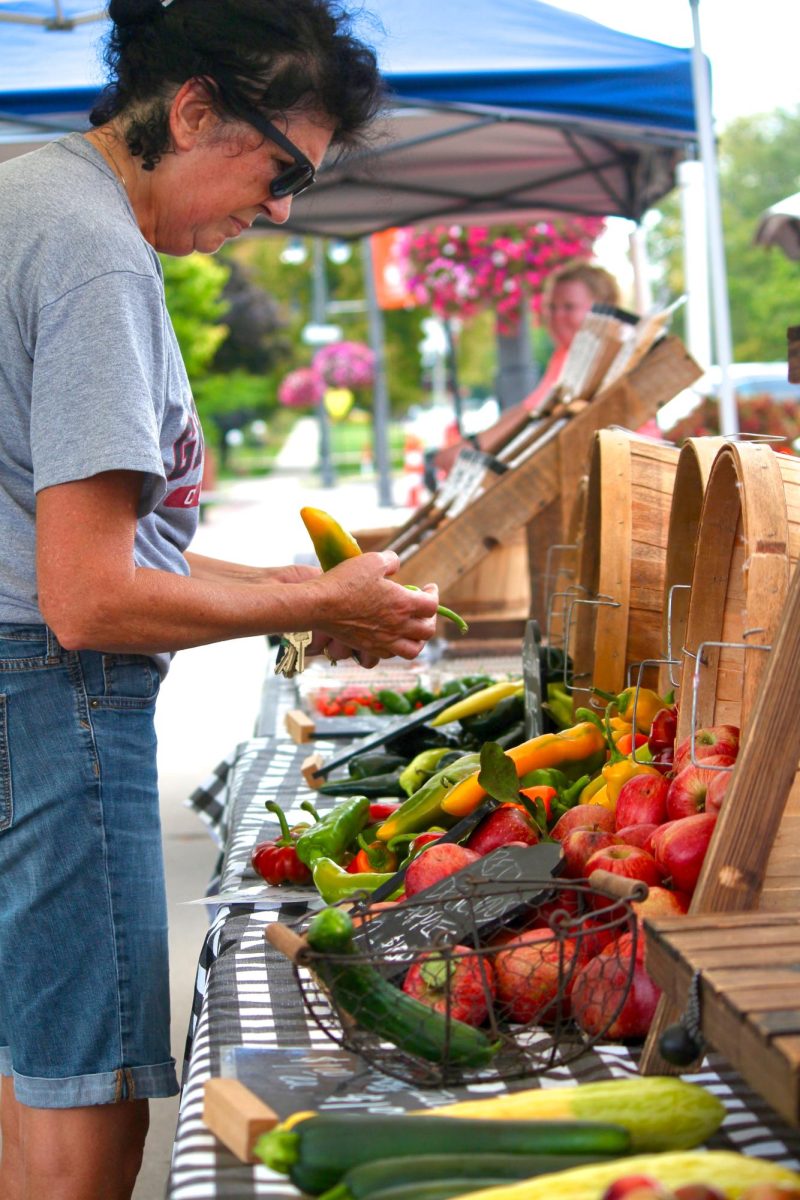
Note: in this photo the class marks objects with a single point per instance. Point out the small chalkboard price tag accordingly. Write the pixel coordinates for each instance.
(497, 890)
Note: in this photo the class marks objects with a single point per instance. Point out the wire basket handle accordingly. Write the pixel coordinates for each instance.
(619, 887)
(285, 940)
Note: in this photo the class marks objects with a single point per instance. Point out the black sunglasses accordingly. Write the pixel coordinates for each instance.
(293, 180)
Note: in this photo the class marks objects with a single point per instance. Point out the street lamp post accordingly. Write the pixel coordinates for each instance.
(319, 310)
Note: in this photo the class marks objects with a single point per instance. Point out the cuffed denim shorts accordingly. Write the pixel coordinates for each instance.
(84, 993)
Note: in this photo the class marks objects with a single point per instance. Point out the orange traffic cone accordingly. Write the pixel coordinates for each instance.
(414, 471)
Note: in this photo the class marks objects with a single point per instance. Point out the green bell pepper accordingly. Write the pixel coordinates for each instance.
(334, 833)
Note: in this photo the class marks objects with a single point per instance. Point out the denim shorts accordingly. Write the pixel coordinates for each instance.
(84, 992)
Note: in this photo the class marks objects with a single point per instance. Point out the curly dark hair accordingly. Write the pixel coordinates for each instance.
(276, 55)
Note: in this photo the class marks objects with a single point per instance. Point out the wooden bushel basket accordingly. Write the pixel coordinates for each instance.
(617, 618)
(694, 467)
(747, 539)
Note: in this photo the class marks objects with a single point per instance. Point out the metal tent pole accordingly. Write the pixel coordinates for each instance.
(380, 401)
(728, 415)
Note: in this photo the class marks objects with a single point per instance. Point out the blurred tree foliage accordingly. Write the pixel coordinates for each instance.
(759, 164)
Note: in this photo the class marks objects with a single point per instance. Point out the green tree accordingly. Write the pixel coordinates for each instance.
(759, 164)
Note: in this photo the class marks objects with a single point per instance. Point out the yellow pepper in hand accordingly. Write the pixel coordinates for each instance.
(333, 545)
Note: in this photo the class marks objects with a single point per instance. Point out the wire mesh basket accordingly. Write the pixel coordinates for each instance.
(509, 978)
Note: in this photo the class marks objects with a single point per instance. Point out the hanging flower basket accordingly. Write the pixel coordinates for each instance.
(461, 271)
(303, 388)
(346, 365)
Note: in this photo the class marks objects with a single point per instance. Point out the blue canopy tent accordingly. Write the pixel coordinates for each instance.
(494, 112)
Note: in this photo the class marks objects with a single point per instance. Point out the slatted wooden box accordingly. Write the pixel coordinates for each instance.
(750, 992)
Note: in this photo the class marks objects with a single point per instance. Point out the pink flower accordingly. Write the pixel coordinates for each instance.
(346, 365)
(303, 388)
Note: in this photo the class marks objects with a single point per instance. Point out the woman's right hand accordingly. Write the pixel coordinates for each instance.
(358, 604)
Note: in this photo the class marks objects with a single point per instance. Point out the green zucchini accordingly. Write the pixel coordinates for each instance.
(445, 1189)
(380, 1007)
(364, 765)
(319, 1150)
(368, 1178)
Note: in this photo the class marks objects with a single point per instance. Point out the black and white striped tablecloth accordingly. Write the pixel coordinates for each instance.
(251, 998)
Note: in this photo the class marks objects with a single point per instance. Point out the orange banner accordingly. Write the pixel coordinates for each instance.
(390, 281)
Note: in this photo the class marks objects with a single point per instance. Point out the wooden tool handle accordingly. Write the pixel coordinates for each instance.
(285, 940)
(618, 886)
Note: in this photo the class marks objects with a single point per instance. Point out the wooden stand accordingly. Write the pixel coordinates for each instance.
(750, 1003)
(447, 543)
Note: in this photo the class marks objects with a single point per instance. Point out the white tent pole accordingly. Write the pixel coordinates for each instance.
(695, 261)
(728, 415)
(642, 288)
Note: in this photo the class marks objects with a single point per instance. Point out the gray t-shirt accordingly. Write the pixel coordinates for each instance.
(91, 376)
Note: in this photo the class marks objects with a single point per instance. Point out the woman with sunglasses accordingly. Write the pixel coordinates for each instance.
(219, 112)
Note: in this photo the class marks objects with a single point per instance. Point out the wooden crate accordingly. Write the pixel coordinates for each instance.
(750, 999)
(617, 617)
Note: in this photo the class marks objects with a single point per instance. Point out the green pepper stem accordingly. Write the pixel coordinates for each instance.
(272, 807)
(309, 808)
(458, 621)
(279, 1149)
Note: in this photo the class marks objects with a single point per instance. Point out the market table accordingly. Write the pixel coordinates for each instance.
(247, 997)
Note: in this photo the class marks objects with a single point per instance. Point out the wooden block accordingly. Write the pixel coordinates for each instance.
(299, 726)
(309, 768)
(236, 1116)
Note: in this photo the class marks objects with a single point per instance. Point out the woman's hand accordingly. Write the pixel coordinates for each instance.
(361, 608)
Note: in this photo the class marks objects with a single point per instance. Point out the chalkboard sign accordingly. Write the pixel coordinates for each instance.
(497, 891)
(294, 1079)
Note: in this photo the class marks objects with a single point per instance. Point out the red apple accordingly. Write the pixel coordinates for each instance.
(770, 1191)
(466, 976)
(663, 761)
(506, 824)
(532, 970)
(580, 845)
(717, 788)
(705, 1191)
(662, 902)
(638, 835)
(566, 900)
(714, 739)
(631, 862)
(603, 984)
(680, 847)
(642, 800)
(436, 863)
(663, 729)
(686, 794)
(635, 1187)
(583, 816)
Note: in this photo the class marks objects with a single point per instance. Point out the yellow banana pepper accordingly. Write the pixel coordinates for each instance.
(615, 774)
(647, 702)
(569, 746)
(333, 545)
(592, 788)
(478, 702)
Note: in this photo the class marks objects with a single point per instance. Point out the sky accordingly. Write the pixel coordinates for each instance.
(753, 48)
